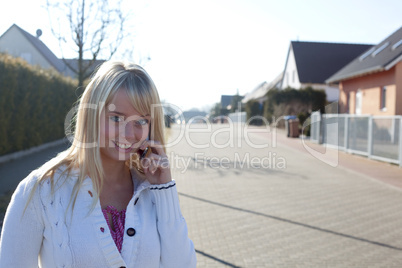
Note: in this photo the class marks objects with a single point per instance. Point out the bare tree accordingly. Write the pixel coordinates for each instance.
(91, 28)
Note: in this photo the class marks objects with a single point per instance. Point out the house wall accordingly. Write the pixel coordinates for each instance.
(14, 43)
(331, 91)
(290, 76)
(371, 86)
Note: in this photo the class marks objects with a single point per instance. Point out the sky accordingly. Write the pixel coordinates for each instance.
(200, 50)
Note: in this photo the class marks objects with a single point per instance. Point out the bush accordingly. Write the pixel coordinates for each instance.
(293, 102)
(254, 109)
(33, 104)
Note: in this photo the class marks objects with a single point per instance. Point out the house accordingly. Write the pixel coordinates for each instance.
(372, 83)
(310, 64)
(194, 116)
(260, 92)
(19, 43)
(226, 101)
(72, 64)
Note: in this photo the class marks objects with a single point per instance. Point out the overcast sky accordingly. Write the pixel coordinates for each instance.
(201, 50)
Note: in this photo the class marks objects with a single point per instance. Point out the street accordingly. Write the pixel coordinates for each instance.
(281, 207)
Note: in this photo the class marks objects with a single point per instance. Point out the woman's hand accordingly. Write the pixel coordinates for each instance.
(156, 164)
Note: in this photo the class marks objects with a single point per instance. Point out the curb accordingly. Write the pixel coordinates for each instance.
(19, 154)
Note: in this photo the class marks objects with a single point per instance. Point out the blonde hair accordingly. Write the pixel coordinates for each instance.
(84, 153)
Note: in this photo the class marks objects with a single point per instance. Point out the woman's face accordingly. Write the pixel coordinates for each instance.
(122, 129)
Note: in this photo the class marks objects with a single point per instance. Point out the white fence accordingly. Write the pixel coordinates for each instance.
(377, 137)
(239, 117)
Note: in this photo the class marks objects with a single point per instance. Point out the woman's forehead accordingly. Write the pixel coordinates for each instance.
(121, 103)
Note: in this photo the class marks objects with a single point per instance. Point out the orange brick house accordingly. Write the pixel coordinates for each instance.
(372, 83)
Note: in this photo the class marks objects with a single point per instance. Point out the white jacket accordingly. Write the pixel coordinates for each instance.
(47, 236)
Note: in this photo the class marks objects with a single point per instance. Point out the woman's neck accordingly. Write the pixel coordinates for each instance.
(116, 173)
(117, 187)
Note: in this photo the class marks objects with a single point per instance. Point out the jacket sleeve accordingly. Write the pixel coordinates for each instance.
(177, 250)
(22, 232)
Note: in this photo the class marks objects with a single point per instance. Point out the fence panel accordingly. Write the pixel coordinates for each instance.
(315, 127)
(386, 138)
(378, 137)
(334, 130)
(358, 135)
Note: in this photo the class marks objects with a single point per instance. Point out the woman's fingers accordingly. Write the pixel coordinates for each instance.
(154, 161)
(155, 145)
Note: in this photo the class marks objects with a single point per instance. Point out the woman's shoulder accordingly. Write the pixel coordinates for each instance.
(43, 178)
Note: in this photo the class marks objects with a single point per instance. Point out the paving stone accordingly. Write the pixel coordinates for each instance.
(308, 214)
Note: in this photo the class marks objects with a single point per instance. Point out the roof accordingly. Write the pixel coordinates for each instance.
(316, 61)
(57, 63)
(262, 89)
(192, 114)
(74, 64)
(381, 57)
(258, 92)
(226, 100)
(42, 48)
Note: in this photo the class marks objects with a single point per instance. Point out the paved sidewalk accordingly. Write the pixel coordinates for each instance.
(387, 173)
(306, 214)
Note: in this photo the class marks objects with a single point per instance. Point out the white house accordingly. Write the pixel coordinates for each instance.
(19, 43)
(260, 92)
(309, 64)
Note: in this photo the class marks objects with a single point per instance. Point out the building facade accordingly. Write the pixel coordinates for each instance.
(372, 83)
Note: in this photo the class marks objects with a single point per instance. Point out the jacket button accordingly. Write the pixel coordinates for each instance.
(130, 231)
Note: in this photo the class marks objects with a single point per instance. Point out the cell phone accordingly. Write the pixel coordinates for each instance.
(144, 153)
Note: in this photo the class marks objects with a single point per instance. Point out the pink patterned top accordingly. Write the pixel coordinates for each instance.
(118, 219)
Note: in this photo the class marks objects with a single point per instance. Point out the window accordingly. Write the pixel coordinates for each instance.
(359, 100)
(381, 48)
(397, 44)
(365, 55)
(383, 98)
(293, 76)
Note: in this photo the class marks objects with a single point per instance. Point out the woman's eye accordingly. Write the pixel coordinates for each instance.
(142, 122)
(116, 118)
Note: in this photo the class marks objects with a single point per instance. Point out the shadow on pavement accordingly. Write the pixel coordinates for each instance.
(292, 222)
(216, 259)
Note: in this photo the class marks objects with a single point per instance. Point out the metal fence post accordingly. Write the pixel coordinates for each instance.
(321, 129)
(346, 132)
(370, 137)
(400, 141)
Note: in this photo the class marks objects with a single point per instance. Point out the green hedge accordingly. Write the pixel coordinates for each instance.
(254, 109)
(33, 104)
(293, 102)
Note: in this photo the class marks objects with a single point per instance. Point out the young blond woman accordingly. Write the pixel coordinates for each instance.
(98, 204)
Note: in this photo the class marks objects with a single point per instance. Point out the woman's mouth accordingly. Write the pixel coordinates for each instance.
(123, 146)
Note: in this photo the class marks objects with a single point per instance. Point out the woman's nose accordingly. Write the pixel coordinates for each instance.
(132, 133)
(128, 132)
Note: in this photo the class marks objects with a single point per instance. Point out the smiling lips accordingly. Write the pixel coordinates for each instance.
(128, 147)
(123, 146)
